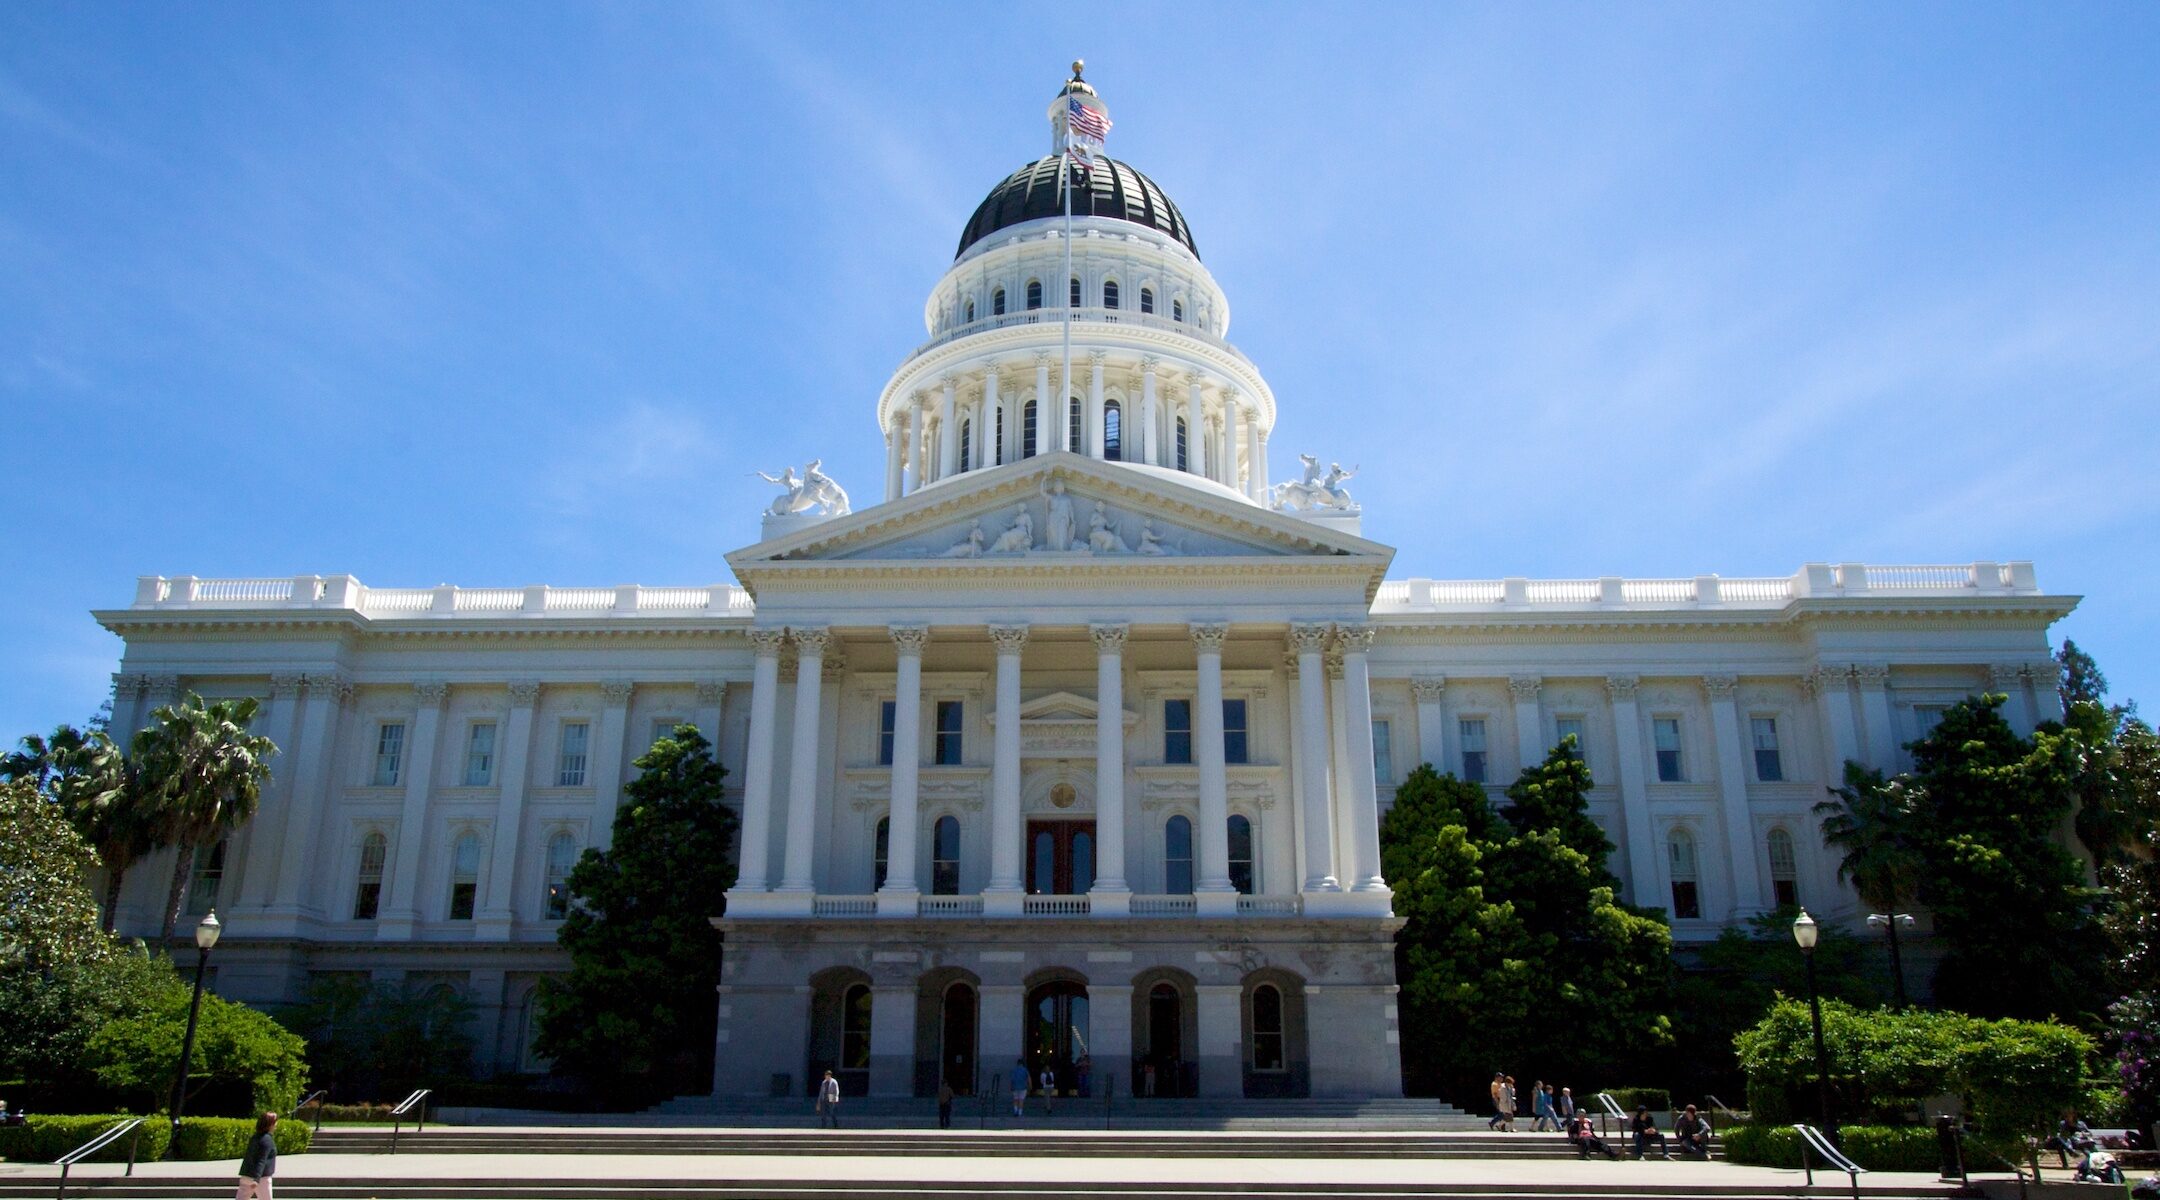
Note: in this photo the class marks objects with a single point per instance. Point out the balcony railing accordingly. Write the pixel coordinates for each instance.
(1100, 316)
(1164, 906)
(347, 593)
(1055, 906)
(1814, 581)
(950, 906)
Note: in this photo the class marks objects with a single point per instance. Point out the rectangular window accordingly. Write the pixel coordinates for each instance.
(947, 749)
(1686, 895)
(389, 753)
(1666, 732)
(662, 729)
(1925, 718)
(1177, 731)
(1383, 752)
(570, 765)
(480, 755)
(206, 874)
(1236, 745)
(1572, 727)
(885, 717)
(367, 889)
(1472, 733)
(1769, 767)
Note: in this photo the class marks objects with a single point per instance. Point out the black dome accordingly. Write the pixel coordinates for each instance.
(1111, 190)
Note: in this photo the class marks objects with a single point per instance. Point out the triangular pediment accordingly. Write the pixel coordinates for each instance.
(1057, 509)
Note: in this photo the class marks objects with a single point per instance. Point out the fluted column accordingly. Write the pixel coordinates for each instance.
(401, 913)
(1150, 418)
(1529, 722)
(1046, 411)
(897, 897)
(911, 462)
(1882, 739)
(1231, 438)
(752, 873)
(1111, 894)
(1832, 685)
(1357, 687)
(1002, 897)
(1309, 642)
(1430, 692)
(498, 904)
(1643, 876)
(1256, 477)
(796, 867)
(894, 462)
(1214, 889)
(610, 743)
(1195, 430)
(988, 450)
(327, 695)
(948, 430)
(1095, 404)
(1748, 898)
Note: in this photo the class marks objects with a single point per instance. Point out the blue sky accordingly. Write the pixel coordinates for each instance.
(500, 294)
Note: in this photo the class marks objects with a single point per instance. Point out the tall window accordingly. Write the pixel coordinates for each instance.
(464, 875)
(1572, 727)
(1181, 453)
(998, 440)
(1177, 731)
(971, 310)
(945, 857)
(1147, 300)
(1075, 296)
(206, 873)
(1267, 1028)
(886, 713)
(1686, 895)
(1027, 430)
(1177, 856)
(1113, 431)
(1769, 767)
(947, 748)
(367, 889)
(882, 843)
(1236, 743)
(1177, 310)
(1383, 751)
(1471, 732)
(570, 764)
(1784, 869)
(855, 1028)
(1109, 293)
(663, 728)
(561, 856)
(480, 755)
(1241, 854)
(997, 303)
(1034, 293)
(1072, 423)
(967, 445)
(1665, 732)
(1925, 718)
(389, 753)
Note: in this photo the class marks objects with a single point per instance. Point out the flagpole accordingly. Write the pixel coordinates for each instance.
(1065, 385)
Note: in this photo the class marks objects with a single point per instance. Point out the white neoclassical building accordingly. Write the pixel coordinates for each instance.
(1073, 746)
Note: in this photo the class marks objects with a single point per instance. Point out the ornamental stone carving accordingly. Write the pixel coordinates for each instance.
(970, 546)
(331, 685)
(1355, 639)
(2004, 676)
(1109, 638)
(910, 639)
(1872, 678)
(525, 693)
(1428, 689)
(711, 692)
(1009, 638)
(616, 691)
(1208, 637)
(129, 687)
(286, 685)
(1019, 537)
(814, 494)
(1310, 638)
(767, 642)
(810, 640)
(431, 691)
(1317, 491)
(1721, 687)
(1623, 687)
(1525, 687)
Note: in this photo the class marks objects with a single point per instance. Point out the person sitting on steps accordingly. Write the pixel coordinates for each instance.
(1693, 1134)
(1583, 1132)
(1644, 1127)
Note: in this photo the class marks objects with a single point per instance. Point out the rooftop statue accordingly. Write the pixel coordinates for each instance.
(815, 494)
(1316, 492)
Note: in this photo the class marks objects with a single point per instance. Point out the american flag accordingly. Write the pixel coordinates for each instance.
(1082, 121)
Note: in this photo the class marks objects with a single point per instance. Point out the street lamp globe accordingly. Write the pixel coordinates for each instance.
(206, 933)
(1805, 931)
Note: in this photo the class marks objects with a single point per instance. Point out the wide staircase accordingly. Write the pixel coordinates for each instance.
(1120, 1112)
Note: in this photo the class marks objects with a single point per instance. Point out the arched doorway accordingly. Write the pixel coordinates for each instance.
(1057, 1025)
(839, 1030)
(956, 1038)
(1164, 1035)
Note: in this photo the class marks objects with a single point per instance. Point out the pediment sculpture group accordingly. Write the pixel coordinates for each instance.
(1061, 533)
(814, 494)
(1316, 492)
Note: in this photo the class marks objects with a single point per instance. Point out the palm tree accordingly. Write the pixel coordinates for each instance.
(208, 773)
(42, 760)
(1871, 820)
(114, 804)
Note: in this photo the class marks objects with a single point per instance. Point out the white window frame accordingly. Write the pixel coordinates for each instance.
(1483, 749)
(579, 772)
(1679, 749)
(475, 757)
(377, 776)
(1776, 747)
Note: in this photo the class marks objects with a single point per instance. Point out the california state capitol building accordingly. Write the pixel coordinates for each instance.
(1069, 739)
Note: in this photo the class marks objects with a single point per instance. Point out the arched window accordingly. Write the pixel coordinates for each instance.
(1177, 856)
(1784, 869)
(1027, 430)
(561, 856)
(967, 444)
(1113, 431)
(1034, 293)
(1267, 1028)
(1181, 457)
(884, 841)
(855, 1028)
(1686, 891)
(1109, 293)
(1072, 425)
(1147, 300)
(997, 303)
(367, 890)
(971, 310)
(464, 875)
(945, 857)
(206, 874)
(1074, 294)
(998, 425)
(1177, 310)
(1241, 855)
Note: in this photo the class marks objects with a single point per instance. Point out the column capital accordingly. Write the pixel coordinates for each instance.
(1830, 675)
(910, 639)
(767, 642)
(1623, 687)
(430, 691)
(1310, 637)
(128, 687)
(810, 639)
(1109, 636)
(950, 380)
(164, 688)
(331, 684)
(524, 693)
(712, 691)
(1720, 687)
(1428, 689)
(1042, 358)
(917, 398)
(1356, 638)
(1096, 358)
(1149, 363)
(2001, 676)
(1872, 678)
(1009, 638)
(617, 691)
(1525, 687)
(1208, 636)
(286, 684)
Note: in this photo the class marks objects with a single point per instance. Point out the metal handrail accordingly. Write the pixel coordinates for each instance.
(317, 1099)
(1722, 1107)
(1812, 1138)
(1611, 1110)
(67, 1161)
(405, 1106)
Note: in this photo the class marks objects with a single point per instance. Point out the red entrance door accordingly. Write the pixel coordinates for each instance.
(1061, 857)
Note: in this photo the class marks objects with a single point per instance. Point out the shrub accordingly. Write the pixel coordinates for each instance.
(1657, 1100)
(349, 1113)
(206, 1138)
(1876, 1147)
(246, 1061)
(44, 1138)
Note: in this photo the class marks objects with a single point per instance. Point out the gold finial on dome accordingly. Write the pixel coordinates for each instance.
(1079, 65)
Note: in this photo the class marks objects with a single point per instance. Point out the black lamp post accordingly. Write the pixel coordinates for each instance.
(1805, 931)
(206, 936)
(1890, 923)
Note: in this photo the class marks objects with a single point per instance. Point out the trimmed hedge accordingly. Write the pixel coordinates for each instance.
(1876, 1147)
(1657, 1100)
(46, 1138)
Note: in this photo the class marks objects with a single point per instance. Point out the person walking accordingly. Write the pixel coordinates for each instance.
(1049, 1087)
(1507, 1104)
(1644, 1127)
(1019, 1088)
(260, 1161)
(944, 1104)
(1499, 1105)
(1563, 1107)
(828, 1101)
(1541, 1107)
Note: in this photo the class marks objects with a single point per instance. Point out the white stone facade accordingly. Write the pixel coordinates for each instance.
(1085, 646)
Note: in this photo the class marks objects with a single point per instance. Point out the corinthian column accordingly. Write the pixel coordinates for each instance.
(989, 451)
(1215, 892)
(1357, 691)
(1045, 411)
(1231, 438)
(1095, 404)
(802, 763)
(1732, 795)
(1110, 895)
(948, 432)
(897, 897)
(1309, 642)
(1150, 418)
(758, 761)
(1634, 790)
(1002, 896)
(1195, 431)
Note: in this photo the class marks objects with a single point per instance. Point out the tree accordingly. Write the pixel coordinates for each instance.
(367, 1038)
(243, 1061)
(634, 1016)
(1736, 979)
(1870, 823)
(2078, 677)
(40, 761)
(47, 917)
(209, 773)
(114, 804)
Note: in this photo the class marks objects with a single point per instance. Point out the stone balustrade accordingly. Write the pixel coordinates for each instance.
(158, 592)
